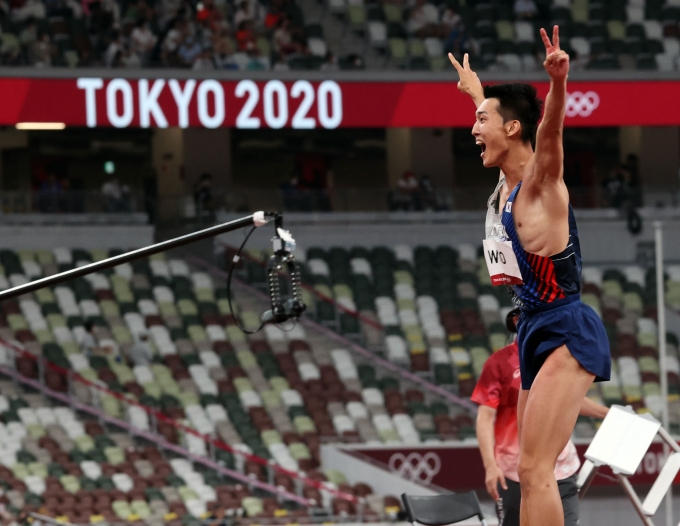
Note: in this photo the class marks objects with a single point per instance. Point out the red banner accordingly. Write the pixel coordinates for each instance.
(303, 104)
(461, 468)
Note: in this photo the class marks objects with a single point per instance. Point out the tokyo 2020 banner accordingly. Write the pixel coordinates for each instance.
(302, 104)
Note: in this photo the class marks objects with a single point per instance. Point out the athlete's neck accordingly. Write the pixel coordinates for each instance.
(515, 162)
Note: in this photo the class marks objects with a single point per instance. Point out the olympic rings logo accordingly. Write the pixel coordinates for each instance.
(582, 104)
(415, 466)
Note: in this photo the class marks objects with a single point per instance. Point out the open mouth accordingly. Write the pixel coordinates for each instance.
(482, 146)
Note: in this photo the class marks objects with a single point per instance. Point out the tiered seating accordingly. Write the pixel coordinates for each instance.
(77, 470)
(626, 300)
(625, 34)
(441, 317)
(119, 35)
(439, 311)
(271, 394)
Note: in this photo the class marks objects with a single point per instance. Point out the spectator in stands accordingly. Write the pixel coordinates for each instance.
(284, 44)
(140, 10)
(42, 51)
(203, 198)
(223, 48)
(172, 41)
(29, 9)
(331, 63)
(29, 34)
(246, 37)
(274, 13)
(116, 46)
(428, 193)
(169, 10)
(116, 196)
(616, 186)
(188, 51)
(407, 194)
(141, 353)
(248, 12)
(456, 41)
(632, 167)
(128, 59)
(204, 60)
(525, 9)
(293, 198)
(208, 15)
(424, 21)
(142, 40)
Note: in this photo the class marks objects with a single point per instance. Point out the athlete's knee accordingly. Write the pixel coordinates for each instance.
(534, 473)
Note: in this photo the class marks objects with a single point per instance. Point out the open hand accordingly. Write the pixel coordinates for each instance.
(469, 82)
(556, 60)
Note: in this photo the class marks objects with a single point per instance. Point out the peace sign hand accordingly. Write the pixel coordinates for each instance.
(556, 60)
(469, 82)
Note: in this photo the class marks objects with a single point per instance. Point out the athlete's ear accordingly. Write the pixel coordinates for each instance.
(513, 128)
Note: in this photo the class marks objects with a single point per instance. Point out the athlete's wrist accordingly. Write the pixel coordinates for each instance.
(490, 466)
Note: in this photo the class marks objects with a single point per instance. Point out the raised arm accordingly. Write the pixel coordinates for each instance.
(549, 156)
(469, 83)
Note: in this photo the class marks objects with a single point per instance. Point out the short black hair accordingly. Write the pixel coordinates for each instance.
(510, 320)
(518, 102)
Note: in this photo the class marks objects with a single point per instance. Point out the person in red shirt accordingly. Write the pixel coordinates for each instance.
(496, 392)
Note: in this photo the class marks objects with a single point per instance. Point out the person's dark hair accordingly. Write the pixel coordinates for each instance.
(89, 325)
(510, 320)
(518, 102)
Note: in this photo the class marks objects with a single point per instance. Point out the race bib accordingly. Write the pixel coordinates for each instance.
(502, 263)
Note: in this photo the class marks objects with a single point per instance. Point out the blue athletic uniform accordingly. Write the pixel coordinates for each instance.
(552, 313)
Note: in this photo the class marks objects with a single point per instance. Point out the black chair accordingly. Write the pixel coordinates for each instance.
(442, 509)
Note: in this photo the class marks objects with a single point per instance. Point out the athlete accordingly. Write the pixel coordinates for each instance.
(562, 343)
(496, 393)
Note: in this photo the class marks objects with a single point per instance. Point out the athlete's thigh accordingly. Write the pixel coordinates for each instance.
(521, 406)
(552, 407)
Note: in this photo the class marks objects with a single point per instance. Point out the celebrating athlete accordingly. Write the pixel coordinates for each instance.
(496, 393)
(532, 245)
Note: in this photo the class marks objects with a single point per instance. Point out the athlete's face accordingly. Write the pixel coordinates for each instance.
(491, 133)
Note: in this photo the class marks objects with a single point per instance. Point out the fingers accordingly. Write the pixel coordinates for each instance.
(466, 61)
(556, 37)
(504, 484)
(555, 58)
(455, 63)
(546, 40)
(492, 490)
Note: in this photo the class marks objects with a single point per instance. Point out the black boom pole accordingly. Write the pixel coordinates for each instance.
(257, 219)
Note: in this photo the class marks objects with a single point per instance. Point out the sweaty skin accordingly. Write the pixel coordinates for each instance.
(547, 413)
